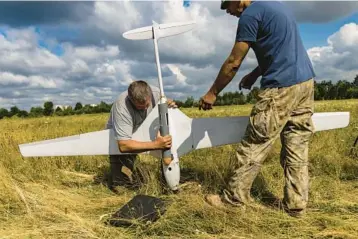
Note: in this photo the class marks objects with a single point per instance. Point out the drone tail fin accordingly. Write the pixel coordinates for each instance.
(164, 30)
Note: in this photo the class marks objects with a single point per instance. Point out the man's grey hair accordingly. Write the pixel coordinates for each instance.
(139, 91)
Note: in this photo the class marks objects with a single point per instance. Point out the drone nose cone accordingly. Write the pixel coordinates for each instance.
(171, 173)
(167, 161)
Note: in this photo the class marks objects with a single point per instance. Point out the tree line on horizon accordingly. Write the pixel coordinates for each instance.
(324, 90)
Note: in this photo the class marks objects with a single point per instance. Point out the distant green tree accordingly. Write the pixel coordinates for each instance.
(239, 99)
(318, 91)
(4, 113)
(87, 109)
(329, 91)
(252, 96)
(179, 103)
(352, 93)
(332, 92)
(14, 111)
(195, 103)
(219, 100)
(355, 82)
(36, 111)
(78, 106)
(227, 98)
(102, 107)
(68, 111)
(189, 102)
(48, 108)
(23, 114)
(342, 88)
(58, 111)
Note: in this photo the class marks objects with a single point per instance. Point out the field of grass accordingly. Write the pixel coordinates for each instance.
(65, 197)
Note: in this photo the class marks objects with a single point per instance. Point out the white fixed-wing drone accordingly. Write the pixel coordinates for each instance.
(188, 134)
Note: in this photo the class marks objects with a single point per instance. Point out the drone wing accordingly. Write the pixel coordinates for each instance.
(210, 132)
(93, 143)
(191, 134)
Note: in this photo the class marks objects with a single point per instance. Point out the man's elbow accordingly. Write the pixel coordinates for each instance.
(238, 54)
(234, 61)
(232, 66)
(123, 147)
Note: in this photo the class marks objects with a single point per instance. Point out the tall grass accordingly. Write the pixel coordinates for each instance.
(66, 197)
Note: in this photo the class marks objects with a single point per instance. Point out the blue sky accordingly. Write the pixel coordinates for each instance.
(316, 34)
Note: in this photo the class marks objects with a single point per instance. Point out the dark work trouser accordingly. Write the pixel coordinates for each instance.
(121, 170)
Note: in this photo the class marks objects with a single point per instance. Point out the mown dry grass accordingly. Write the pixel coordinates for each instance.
(63, 197)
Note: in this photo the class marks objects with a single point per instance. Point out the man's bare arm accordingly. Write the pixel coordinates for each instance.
(133, 146)
(230, 67)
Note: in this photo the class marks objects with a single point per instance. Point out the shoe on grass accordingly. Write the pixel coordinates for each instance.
(215, 201)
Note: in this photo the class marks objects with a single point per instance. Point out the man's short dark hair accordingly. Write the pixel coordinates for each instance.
(139, 91)
(224, 4)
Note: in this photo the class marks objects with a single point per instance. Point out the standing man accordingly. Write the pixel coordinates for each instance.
(128, 112)
(284, 106)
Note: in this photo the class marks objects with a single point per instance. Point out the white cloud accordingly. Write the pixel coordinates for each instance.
(346, 39)
(105, 69)
(98, 64)
(115, 17)
(338, 59)
(82, 73)
(19, 51)
(102, 92)
(198, 39)
(91, 53)
(14, 45)
(73, 94)
(321, 11)
(176, 71)
(23, 37)
(79, 66)
(8, 78)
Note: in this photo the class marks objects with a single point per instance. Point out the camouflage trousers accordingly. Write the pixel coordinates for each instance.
(284, 112)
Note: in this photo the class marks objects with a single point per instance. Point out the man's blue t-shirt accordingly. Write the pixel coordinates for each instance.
(272, 29)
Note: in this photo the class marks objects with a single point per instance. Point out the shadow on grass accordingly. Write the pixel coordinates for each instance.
(260, 191)
(142, 177)
(349, 171)
(103, 177)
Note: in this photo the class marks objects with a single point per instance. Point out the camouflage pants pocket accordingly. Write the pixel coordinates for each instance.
(264, 120)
